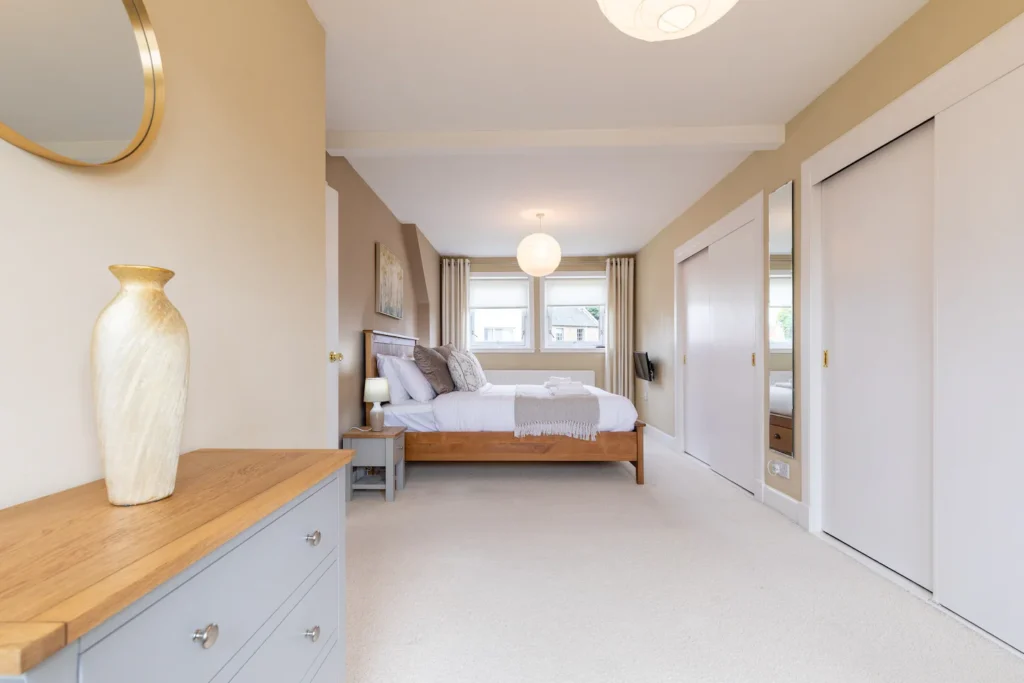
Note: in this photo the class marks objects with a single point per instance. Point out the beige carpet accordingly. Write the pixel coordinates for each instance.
(571, 573)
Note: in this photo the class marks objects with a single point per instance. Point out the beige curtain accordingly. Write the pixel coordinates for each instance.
(455, 301)
(618, 355)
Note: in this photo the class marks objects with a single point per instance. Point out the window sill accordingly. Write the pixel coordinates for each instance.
(594, 351)
(479, 351)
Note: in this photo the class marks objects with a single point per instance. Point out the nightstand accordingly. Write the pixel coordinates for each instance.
(384, 449)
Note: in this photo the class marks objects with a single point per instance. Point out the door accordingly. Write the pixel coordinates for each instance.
(877, 235)
(697, 372)
(333, 436)
(737, 290)
(979, 370)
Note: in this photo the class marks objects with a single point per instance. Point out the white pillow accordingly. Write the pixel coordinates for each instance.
(466, 371)
(414, 381)
(388, 368)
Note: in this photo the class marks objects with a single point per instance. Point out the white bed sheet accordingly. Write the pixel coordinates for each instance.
(492, 409)
(415, 416)
(780, 400)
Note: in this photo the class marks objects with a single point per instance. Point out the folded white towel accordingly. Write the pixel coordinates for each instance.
(555, 381)
(569, 389)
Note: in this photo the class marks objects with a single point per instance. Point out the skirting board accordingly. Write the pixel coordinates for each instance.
(659, 437)
(796, 511)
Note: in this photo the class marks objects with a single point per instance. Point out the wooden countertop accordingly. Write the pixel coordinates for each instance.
(70, 561)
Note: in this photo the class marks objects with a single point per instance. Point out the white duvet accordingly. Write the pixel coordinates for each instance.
(492, 409)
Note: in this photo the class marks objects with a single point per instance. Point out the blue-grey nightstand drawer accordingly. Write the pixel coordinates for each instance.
(369, 452)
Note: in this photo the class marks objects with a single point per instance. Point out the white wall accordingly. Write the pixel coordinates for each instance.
(231, 197)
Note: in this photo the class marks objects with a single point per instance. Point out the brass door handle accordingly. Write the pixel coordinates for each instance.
(334, 356)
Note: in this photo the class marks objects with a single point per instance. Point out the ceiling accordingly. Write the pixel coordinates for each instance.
(466, 115)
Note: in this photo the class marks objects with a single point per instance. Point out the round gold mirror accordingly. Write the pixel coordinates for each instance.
(80, 80)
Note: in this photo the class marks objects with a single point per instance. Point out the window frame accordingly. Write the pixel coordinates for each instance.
(547, 346)
(503, 347)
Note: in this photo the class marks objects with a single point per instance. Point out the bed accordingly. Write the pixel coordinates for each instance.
(477, 426)
(780, 411)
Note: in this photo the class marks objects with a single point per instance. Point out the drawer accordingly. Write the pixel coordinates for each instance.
(369, 452)
(330, 671)
(780, 439)
(289, 651)
(238, 593)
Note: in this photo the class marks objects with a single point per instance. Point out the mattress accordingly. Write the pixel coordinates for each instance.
(492, 409)
(780, 400)
(415, 416)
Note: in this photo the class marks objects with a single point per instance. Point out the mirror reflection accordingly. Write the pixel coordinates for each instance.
(780, 319)
(78, 80)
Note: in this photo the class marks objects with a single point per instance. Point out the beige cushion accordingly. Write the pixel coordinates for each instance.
(434, 366)
(445, 351)
(466, 371)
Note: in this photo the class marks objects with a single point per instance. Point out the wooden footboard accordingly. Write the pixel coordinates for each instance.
(505, 447)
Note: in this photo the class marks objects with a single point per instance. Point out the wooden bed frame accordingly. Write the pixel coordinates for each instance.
(501, 446)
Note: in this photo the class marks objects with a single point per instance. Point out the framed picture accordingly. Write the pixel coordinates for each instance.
(390, 283)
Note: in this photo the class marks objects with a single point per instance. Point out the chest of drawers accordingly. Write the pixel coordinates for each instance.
(239, 576)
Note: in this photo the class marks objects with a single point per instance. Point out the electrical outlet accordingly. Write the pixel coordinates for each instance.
(645, 394)
(779, 468)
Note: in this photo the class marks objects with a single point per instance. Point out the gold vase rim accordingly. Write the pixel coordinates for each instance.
(144, 273)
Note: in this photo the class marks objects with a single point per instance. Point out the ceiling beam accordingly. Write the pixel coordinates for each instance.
(723, 138)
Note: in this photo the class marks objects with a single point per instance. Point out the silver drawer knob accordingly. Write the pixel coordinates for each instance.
(206, 636)
(313, 634)
(313, 539)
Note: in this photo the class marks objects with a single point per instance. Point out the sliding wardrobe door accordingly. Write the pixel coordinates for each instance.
(979, 367)
(877, 232)
(698, 378)
(737, 288)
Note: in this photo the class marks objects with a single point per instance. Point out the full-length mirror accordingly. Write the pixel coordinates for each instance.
(80, 80)
(780, 320)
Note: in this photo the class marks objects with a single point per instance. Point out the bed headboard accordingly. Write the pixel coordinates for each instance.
(383, 343)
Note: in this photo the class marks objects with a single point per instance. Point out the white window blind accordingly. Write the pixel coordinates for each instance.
(492, 292)
(574, 311)
(780, 291)
(575, 291)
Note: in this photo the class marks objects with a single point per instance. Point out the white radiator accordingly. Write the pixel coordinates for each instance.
(537, 376)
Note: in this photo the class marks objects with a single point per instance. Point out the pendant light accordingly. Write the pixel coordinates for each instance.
(539, 254)
(654, 20)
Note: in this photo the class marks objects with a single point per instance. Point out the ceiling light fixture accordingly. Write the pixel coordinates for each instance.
(654, 20)
(539, 254)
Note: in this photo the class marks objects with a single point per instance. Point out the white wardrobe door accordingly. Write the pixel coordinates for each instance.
(697, 373)
(736, 293)
(877, 231)
(979, 368)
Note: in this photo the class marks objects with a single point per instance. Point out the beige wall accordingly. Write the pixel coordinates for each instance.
(939, 32)
(364, 220)
(542, 360)
(231, 197)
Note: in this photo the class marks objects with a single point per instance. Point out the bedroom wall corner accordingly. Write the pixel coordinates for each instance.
(364, 220)
(229, 195)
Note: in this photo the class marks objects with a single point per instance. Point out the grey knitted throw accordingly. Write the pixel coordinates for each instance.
(573, 416)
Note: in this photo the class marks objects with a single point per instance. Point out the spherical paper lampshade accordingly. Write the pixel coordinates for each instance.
(654, 20)
(539, 254)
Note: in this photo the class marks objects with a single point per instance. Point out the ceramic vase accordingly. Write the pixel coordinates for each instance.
(140, 363)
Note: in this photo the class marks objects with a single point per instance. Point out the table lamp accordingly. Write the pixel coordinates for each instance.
(375, 391)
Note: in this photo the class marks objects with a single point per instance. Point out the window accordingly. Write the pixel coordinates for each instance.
(499, 312)
(575, 307)
(780, 311)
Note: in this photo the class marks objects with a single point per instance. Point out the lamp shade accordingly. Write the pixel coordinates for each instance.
(539, 254)
(376, 390)
(655, 20)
